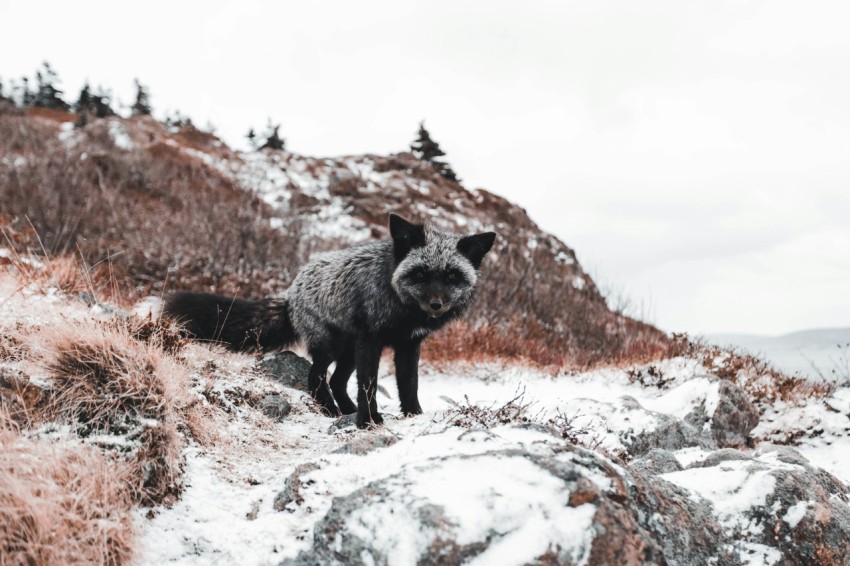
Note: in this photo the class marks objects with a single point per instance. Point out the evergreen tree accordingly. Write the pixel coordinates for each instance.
(252, 138)
(424, 147)
(273, 139)
(428, 150)
(3, 97)
(84, 101)
(7, 103)
(101, 103)
(142, 106)
(46, 94)
(27, 97)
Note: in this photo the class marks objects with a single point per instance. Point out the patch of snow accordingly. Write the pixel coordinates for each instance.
(578, 282)
(734, 488)
(564, 259)
(755, 554)
(120, 136)
(796, 513)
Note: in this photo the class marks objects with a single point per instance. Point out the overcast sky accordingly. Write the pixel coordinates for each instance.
(696, 155)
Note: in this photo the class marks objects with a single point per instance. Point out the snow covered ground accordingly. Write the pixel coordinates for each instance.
(508, 465)
(227, 513)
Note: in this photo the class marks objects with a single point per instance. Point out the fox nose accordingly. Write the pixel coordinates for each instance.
(435, 304)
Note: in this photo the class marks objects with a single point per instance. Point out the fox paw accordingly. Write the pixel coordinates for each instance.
(366, 421)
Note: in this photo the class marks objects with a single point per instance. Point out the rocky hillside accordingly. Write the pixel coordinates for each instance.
(153, 208)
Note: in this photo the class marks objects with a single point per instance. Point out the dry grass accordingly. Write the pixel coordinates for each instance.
(61, 504)
(107, 382)
(531, 342)
(764, 383)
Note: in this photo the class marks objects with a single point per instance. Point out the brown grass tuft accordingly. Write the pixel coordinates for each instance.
(106, 382)
(61, 505)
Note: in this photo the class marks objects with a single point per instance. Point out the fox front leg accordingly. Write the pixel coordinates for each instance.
(407, 376)
(367, 356)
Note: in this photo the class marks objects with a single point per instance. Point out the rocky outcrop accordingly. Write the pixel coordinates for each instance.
(287, 368)
(563, 505)
(542, 501)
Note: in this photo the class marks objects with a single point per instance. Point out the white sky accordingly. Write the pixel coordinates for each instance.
(695, 154)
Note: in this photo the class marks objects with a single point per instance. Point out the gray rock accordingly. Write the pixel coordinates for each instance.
(636, 519)
(275, 406)
(733, 419)
(342, 423)
(806, 516)
(288, 368)
(291, 492)
(724, 455)
(671, 433)
(657, 461)
(367, 442)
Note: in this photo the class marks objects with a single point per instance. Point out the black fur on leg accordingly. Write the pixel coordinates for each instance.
(407, 376)
(242, 325)
(318, 384)
(367, 356)
(339, 382)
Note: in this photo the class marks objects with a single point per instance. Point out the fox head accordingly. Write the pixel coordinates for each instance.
(437, 271)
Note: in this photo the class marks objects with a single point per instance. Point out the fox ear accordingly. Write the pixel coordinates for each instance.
(474, 248)
(406, 236)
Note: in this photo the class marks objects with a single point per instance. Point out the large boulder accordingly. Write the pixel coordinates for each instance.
(773, 505)
(565, 506)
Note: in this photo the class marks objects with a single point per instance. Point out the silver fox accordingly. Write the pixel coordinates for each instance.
(347, 306)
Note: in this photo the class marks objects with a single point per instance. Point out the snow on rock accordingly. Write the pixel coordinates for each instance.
(489, 503)
(773, 498)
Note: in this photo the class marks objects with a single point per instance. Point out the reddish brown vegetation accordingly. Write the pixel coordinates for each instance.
(764, 383)
(61, 504)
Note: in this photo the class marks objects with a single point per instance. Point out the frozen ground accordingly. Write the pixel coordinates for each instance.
(227, 513)
(509, 488)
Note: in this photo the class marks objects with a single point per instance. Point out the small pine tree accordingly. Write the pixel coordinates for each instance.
(7, 103)
(46, 94)
(101, 103)
(424, 147)
(84, 101)
(27, 97)
(142, 106)
(429, 150)
(273, 139)
(252, 138)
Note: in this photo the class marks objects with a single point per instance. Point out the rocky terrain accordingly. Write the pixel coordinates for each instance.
(667, 463)
(555, 431)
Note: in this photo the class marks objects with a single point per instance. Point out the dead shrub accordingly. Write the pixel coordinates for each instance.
(764, 383)
(469, 415)
(61, 505)
(105, 382)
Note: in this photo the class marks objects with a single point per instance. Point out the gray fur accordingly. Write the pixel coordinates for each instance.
(346, 306)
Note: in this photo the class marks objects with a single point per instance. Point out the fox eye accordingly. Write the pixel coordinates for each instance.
(452, 276)
(419, 275)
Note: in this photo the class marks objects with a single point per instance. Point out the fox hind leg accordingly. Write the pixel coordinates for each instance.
(318, 384)
(339, 381)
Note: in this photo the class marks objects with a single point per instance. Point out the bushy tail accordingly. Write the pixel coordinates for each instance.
(241, 325)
